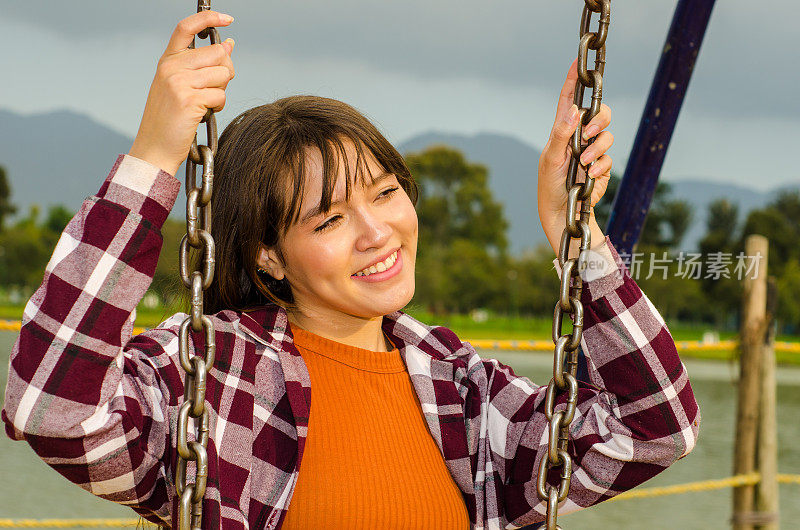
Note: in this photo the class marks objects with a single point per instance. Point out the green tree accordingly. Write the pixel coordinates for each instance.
(57, 218)
(667, 219)
(788, 310)
(455, 200)
(166, 281)
(532, 283)
(676, 296)
(657, 272)
(779, 222)
(26, 247)
(721, 222)
(462, 236)
(722, 295)
(6, 208)
(24, 251)
(473, 277)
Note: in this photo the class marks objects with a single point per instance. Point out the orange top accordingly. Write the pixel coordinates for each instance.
(382, 469)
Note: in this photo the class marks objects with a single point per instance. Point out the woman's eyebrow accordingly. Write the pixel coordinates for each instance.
(313, 212)
(384, 175)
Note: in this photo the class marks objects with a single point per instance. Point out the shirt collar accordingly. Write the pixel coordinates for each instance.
(269, 324)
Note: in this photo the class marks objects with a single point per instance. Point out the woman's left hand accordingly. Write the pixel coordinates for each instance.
(555, 159)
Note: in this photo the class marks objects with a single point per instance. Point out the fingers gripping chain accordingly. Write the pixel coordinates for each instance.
(191, 490)
(577, 227)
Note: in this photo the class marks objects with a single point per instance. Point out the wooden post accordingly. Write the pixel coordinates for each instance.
(767, 490)
(754, 305)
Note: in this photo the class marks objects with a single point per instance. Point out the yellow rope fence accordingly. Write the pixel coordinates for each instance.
(639, 493)
(749, 479)
(703, 485)
(67, 523)
(681, 345)
(536, 345)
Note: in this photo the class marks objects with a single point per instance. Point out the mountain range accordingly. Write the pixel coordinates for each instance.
(60, 157)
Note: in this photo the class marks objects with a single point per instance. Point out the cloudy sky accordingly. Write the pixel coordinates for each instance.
(449, 65)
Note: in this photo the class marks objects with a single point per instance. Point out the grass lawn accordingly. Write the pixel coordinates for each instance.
(498, 328)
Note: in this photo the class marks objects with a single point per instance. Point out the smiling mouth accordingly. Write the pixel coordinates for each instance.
(380, 267)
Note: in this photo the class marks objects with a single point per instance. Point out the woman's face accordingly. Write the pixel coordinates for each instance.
(356, 259)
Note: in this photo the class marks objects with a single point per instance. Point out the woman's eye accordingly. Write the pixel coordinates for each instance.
(388, 192)
(327, 224)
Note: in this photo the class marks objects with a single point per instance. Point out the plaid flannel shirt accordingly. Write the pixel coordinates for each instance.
(99, 405)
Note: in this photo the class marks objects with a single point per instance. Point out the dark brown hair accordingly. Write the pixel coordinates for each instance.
(259, 177)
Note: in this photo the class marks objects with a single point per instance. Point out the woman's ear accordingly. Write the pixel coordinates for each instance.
(269, 260)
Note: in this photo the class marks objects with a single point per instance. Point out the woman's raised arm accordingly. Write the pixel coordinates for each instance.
(91, 400)
(187, 83)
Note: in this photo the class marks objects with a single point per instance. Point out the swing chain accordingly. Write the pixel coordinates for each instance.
(565, 361)
(198, 237)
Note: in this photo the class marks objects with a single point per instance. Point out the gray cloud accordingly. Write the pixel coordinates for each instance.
(463, 67)
(744, 65)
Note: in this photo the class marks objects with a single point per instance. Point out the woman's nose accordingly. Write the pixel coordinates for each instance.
(374, 231)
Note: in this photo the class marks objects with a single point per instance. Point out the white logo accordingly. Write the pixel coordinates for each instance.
(592, 265)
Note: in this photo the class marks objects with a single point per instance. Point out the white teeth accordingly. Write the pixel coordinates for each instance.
(379, 267)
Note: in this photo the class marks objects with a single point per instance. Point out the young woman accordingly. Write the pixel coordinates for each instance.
(316, 240)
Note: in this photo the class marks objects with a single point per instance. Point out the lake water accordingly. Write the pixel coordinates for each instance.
(31, 489)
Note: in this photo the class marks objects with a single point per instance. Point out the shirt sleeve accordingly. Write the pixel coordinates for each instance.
(600, 263)
(635, 417)
(90, 399)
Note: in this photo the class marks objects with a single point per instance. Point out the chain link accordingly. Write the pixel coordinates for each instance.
(191, 490)
(565, 358)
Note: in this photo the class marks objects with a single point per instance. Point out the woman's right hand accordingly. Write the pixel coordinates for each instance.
(186, 84)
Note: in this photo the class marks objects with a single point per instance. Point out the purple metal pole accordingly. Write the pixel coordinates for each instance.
(658, 122)
(660, 114)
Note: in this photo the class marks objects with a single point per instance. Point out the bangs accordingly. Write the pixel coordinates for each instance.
(333, 151)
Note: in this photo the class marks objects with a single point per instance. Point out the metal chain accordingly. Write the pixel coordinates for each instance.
(565, 360)
(198, 236)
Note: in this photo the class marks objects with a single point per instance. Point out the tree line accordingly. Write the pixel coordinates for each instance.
(463, 259)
